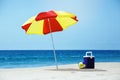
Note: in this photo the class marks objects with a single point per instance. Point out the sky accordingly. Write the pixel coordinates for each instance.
(98, 27)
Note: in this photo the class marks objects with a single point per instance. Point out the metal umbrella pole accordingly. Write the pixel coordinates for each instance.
(53, 44)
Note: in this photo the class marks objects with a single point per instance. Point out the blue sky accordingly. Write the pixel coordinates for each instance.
(98, 26)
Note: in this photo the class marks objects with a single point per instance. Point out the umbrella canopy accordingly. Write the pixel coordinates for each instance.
(51, 20)
(48, 22)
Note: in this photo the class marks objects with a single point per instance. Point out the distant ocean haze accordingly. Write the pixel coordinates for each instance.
(38, 58)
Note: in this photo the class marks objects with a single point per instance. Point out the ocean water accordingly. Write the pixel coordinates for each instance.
(37, 58)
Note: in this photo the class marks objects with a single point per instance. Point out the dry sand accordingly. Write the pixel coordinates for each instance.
(102, 71)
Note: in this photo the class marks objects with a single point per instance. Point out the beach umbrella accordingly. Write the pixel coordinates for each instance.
(48, 22)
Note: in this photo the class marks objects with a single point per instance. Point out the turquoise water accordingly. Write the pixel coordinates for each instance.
(37, 58)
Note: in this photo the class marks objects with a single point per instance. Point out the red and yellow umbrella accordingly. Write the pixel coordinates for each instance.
(48, 22)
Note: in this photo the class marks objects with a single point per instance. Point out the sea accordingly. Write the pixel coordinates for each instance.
(40, 58)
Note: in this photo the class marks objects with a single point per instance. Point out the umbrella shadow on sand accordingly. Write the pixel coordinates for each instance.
(80, 70)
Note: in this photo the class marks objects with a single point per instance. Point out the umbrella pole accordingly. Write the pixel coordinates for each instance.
(53, 45)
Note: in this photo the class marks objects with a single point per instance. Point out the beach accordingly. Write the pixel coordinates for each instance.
(102, 71)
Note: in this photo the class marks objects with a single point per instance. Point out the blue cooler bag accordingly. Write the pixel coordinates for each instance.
(89, 60)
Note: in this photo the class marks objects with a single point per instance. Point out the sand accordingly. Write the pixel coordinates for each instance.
(102, 71)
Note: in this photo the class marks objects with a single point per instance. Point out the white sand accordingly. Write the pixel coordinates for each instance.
(102, 71)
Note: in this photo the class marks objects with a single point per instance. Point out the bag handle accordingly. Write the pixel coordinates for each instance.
(89, 52)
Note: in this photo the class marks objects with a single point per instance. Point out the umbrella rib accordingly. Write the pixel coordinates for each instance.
(53, 44)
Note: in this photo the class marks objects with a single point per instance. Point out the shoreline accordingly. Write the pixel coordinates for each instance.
(102, 71)
(51, 65)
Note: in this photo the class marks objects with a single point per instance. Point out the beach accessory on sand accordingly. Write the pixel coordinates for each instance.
(48, 22)
(81, 65)
(89, 60)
